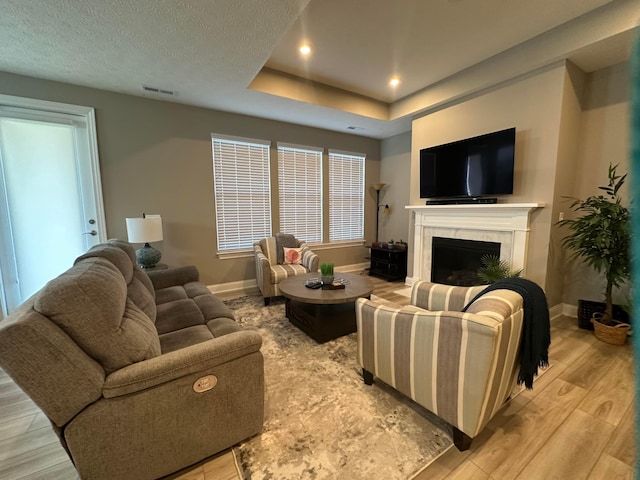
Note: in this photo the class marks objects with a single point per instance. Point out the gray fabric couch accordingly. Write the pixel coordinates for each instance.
(140, 374)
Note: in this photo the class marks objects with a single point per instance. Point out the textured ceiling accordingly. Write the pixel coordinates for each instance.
(210, 51)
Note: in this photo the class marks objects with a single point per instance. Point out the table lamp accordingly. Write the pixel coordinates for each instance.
(145, 230)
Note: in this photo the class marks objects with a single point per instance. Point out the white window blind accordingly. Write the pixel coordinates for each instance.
(346, 196)
(300, 188)
(242, 191)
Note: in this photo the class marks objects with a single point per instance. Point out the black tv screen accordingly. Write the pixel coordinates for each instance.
(474, 167)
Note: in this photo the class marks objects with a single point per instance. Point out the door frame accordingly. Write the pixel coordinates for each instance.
(86, 114)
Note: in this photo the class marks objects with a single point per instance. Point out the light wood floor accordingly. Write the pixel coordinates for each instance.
(577, 423)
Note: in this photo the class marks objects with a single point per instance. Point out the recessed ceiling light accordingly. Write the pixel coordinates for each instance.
(394, 81)
(305, 49)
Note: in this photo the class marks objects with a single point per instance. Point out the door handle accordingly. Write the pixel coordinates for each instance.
(93, 233)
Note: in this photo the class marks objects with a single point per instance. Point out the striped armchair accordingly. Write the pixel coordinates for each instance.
(269, 273)
(460, 366)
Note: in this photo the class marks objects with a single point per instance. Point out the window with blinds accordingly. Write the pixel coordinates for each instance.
(242, 191)
(346, 196)
(300, 188)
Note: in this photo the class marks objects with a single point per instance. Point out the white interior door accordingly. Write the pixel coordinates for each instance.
(50, 196)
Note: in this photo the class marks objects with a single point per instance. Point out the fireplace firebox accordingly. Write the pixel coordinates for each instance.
(456, 261)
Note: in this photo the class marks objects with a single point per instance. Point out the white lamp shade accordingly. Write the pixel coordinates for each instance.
(144, 230)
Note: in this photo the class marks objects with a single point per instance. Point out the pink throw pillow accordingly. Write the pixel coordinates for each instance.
(292, 256)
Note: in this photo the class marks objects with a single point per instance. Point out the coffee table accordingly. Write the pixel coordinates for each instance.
(324, 314)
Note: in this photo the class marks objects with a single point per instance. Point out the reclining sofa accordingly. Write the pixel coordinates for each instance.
(140, 374)
(460, 366)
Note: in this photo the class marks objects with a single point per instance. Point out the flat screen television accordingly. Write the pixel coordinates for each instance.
(471, 168)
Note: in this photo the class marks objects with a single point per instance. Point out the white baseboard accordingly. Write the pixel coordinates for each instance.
(570, 310)
(354, 268)
(555, 311)
(240, 287)
(249, 287)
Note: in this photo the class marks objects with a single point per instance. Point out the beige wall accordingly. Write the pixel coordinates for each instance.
(604, 138)
(155, 157)
(394, 171)
(568, 140)
(570, 125)
(533, 106)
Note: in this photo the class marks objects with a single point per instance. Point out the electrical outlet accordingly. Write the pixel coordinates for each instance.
(561, 216)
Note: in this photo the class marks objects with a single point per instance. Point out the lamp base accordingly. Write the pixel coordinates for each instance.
(148, 256)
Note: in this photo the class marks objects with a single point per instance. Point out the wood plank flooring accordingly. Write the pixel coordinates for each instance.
(577, 423)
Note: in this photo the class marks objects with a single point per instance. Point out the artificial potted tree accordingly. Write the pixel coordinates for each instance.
(494, 268)
(601, 237)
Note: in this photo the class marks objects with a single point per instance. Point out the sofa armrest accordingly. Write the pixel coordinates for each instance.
(263, 271)
(310, 260)
(196, 358)
(173, 276)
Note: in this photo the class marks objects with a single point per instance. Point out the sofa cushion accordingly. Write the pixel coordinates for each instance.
(177, 315)
(223, 326)
(195, 289)
(170, 294)
(89, 302)
(212, 307)
(280, 272)
(139, 287)
(138, 293)
(114, 255)
(185, 337)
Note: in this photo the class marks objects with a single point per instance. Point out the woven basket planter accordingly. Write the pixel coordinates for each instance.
(611, 334)
(586, 309)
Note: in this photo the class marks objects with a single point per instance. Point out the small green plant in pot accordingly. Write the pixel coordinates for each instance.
(326, 272)
(601, 237)
(494, 268)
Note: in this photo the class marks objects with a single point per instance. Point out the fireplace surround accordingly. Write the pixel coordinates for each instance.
(504, 223)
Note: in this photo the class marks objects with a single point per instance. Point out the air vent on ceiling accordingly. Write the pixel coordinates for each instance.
(161, 91)
(353, 127)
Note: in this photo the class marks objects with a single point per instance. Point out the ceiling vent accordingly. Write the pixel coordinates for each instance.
(159, 91)
(353, 127)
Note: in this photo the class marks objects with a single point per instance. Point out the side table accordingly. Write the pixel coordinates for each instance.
(388, 263)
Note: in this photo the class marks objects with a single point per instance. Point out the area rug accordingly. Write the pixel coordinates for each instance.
(321, 420)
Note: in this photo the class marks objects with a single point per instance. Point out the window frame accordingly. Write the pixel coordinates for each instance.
(292, 181)
(361, 157)
(251, 197)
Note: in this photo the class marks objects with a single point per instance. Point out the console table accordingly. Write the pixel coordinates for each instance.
(388, 263)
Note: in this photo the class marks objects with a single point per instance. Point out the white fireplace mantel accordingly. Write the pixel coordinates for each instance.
(504, 223)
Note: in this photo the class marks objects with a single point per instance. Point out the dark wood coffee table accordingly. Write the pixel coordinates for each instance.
(324, 314)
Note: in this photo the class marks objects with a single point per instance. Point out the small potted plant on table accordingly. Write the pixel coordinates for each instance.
(326, 273)
(601, 236)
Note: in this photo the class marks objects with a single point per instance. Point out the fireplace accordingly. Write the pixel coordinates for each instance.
(456, 261)
(506, 224)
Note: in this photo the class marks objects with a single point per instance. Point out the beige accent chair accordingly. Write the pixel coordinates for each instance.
(270, 271)
(460, 366)
(140, 374)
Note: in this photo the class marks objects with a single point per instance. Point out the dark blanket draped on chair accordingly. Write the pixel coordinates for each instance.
(536, 333)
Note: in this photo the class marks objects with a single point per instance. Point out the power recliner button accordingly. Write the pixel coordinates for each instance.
(204, 384)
